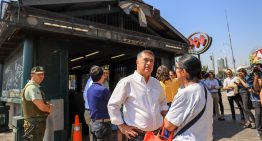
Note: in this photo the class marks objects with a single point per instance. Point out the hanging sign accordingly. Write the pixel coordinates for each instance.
(199, 42)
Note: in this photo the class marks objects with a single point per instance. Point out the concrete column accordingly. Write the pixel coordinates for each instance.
(1, 79)
(165, 61)
(27, 60)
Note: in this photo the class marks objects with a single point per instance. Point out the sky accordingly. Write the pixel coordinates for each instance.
(244, 19)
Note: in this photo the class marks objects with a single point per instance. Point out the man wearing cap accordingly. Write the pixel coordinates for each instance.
(35, 108)
(106, 74)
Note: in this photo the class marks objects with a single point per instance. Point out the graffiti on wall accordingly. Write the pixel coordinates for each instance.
(12, 75)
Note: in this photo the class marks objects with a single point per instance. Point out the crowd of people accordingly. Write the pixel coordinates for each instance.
(141, 103)
(244, 89)
(185, 102)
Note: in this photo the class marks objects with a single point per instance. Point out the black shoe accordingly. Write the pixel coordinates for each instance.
(221, 118)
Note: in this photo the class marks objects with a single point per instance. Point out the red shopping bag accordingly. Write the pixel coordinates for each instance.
(150, 136)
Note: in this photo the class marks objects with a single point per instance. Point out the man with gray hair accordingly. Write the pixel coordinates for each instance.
(143, 100)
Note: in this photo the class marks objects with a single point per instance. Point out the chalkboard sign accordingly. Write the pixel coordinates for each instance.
(12, 73)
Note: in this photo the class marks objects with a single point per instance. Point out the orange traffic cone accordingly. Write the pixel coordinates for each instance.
(76, 130)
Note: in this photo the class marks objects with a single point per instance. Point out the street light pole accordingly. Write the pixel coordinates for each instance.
(234, 62)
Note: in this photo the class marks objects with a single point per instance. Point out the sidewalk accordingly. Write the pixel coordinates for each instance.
(6, 136)
(230, 130)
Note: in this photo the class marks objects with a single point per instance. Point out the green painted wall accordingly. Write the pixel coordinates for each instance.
(53, 56)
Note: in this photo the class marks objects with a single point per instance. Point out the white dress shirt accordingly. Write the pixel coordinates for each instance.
(142, 102)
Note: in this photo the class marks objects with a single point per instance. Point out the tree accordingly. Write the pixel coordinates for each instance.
(204, 68)
(221, 74)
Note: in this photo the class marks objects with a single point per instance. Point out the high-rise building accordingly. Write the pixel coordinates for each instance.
(220, 64)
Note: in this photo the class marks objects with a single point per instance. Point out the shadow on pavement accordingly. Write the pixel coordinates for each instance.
(227, 128)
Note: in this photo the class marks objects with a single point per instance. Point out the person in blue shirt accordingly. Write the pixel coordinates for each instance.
(87, 86)
(98, 97)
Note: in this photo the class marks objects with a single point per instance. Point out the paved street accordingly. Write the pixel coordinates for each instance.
(230, 130)
(227, 130)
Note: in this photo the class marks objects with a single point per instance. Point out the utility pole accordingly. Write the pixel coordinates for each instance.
(234, 62)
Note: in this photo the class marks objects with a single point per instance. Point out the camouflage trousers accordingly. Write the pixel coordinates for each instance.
(34, 129)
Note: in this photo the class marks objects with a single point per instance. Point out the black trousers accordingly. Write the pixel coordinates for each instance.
(239, 103)
(101, 131)
(258, 115)
(221, 106)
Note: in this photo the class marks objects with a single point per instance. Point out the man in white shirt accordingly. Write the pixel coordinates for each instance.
(143, 99)
(232, 94)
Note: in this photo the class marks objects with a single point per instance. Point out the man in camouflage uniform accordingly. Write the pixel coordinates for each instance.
(35, 108)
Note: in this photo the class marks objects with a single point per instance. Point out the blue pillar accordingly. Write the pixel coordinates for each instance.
(27, 60)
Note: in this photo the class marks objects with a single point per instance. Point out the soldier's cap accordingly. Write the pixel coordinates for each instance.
(38, 69)
(106, 68)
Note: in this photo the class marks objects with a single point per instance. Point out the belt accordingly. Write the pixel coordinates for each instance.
(143, 132)
(87, 109)
(101, 120)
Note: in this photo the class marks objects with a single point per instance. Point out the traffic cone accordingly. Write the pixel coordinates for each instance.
(76, 130)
